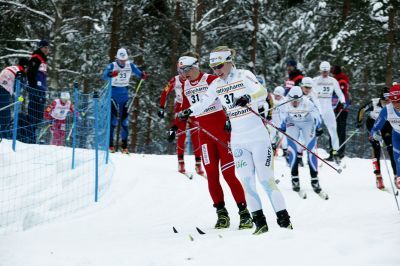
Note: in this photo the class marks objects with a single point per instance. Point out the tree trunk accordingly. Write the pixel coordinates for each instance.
(346, 9)
(391, 38)
(116, 17)
(254, 19)
(136, 102)
(199, 16)
(175, 37)
(85, 10)
(148, 138)
(56, 52)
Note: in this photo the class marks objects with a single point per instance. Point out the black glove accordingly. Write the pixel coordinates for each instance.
(227, 126)
(274, 146)
(160, 112)
(172, 133)
(243, 101)
(261, 111)
(184, 115)
(319, 132)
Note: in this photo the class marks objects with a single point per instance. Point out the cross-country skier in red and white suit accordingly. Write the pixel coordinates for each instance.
(58, 111)
(179, 127)
(216, 155)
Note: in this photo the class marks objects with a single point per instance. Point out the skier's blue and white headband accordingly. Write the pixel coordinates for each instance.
(220, 57)
(185, 63)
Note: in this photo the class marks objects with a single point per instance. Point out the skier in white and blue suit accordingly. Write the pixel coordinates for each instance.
(301, 116)
(120, 72)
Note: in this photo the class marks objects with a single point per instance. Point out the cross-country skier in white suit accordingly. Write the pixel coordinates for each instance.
(324, 86)
(301, 116)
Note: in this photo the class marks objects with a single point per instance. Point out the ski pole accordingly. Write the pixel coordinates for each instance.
(211, 135)
(138, 86)
(20, 99)
(352, 134)
(133, 99)
(70, 132)
(341, 110)
(284, 133)
(44, 130)
(279, 105)
(187, 131)
(390, 178)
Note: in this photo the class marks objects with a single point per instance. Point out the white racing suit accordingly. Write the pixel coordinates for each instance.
(324, 88)
(249, 137)
(301, 120)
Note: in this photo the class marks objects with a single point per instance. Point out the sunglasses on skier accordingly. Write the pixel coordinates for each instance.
(217, 66)
(185, 69)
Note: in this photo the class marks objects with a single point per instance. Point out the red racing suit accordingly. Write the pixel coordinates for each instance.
(58, 111)
(214, 153)
(175, 84)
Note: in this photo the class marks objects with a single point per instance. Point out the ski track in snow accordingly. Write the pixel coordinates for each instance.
(132, 224)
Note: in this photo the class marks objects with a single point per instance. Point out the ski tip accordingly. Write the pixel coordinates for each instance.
(174, 229)
(200, 231)
(191, 238)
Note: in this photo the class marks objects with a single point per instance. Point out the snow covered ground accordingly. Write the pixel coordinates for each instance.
(132, 224)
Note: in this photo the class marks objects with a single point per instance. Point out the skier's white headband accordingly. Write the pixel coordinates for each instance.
(188, 61)
(220, 57)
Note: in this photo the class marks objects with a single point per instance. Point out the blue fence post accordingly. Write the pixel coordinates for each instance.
(109, 88)
(76, 99)
(96, 139)
(16, 110)
(188, 144)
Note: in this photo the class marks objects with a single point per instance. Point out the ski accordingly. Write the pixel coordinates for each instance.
(188, 175)
(322, 194)
(302, 194)
(201, 232)
(202, 175)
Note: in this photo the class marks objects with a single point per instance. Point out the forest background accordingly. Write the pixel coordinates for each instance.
(362, 36)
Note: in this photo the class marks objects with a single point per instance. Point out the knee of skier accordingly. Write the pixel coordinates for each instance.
(114, 121)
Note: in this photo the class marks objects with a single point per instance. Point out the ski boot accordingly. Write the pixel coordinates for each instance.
(181, 167)
(315, 185)
(124, 146)
(330, 158)
(285, 154)
(379, 182)
(283, 219)
(300, 159)
(261, 223)
(295, 183)
(397, 181)
(336, 157)
(111, 149)
(223, 220)
(245, 218)
(198, 168)
(317, 188)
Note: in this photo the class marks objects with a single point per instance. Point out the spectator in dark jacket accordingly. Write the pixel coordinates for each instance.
(341, 111)
(295, 76)
(37, 80)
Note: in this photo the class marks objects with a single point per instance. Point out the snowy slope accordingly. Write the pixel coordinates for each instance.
(132, 225)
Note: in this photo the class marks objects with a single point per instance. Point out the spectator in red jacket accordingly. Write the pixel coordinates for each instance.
(295, 76)
(341, 111)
